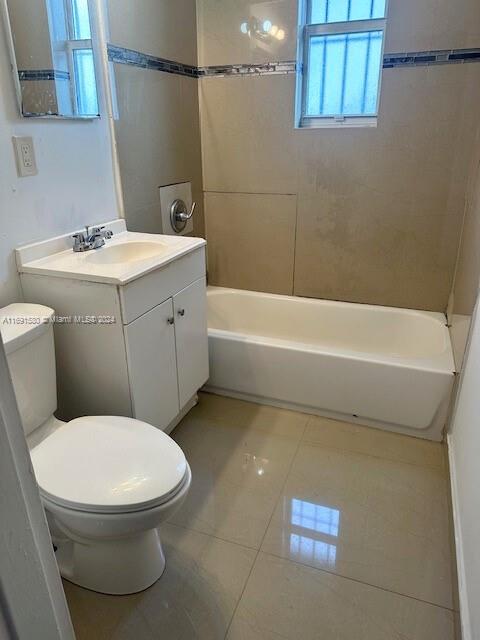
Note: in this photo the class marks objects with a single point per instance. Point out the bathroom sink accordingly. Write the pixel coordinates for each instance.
(126, 256)
(127, 252)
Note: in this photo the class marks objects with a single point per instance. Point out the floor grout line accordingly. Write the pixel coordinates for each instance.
(303, 441)
(357, 581)
(211, 535)
(284, 483)
(311, 416)
(372, 455)
(331, 447)
(267, 526)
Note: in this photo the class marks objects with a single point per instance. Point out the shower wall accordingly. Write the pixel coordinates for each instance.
(362, 215)
(467, 277)
(157, 129)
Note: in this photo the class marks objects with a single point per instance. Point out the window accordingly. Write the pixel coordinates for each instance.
(80, 57)
(73, 55)
(341, 54)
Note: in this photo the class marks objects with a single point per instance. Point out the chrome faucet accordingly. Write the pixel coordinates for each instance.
(91, 239)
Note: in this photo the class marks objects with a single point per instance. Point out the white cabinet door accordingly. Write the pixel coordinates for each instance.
(152, 366)
(190, 307)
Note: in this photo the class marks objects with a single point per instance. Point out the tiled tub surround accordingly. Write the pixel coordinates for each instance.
(297, 528)
(378, 211)
(467, 275)
(158, 139)
(158, 128)
(361, 240)
(366, 216)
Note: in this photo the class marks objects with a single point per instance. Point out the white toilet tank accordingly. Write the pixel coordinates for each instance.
(27, 333)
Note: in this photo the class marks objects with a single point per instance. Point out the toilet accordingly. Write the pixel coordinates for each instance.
(106, 482)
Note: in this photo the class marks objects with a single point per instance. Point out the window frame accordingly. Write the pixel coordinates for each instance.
(306, 31)
(71, 45)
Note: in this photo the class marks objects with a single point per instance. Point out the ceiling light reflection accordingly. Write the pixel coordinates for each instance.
(263, 30)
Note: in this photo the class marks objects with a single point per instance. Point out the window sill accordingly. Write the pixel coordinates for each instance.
(331, 123)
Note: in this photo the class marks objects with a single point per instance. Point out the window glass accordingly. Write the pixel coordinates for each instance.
(326, 11)
(81, 20)
(343, 74)
(86, 89)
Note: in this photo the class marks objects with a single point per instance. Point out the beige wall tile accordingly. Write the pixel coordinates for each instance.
(380, 210)
(163, 28)
(467, 276)
(248, 135)
(158, 138)
(27, 18)
(362, 249)
(413, 25)
(222, 42)
(251, 241)
(39, 96)
(468, 268)
(424, 25)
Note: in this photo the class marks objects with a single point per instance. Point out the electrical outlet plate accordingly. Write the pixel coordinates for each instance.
(25, 156)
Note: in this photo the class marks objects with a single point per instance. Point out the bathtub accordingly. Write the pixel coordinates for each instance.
(378, 366)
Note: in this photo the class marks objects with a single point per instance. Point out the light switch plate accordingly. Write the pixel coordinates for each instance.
(25, 156)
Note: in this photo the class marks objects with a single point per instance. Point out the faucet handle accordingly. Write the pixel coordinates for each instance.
(100, 231)
(79, 239)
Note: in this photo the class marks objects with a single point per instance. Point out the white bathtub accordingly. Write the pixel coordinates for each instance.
(385, 367)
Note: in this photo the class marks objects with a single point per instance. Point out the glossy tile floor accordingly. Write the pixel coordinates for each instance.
(296, 527)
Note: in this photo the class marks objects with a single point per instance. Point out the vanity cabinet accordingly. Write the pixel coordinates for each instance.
(152, 365)
(167, 355)
(191, 338)
(148, 359)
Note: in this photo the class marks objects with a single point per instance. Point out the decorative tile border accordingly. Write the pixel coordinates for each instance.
(146, 61)
(270, 68)
(42, 74)
(122, 55)
(423, 58)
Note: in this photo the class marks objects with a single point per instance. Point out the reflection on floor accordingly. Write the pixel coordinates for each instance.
(296, 527)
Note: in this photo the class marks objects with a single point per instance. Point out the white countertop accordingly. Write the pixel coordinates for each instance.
(56, 258)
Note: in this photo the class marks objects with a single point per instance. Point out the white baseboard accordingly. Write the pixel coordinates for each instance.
(462, 585)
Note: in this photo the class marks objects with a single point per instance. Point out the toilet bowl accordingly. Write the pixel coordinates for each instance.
(106, 482)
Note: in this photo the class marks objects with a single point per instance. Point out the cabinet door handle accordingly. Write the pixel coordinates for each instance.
(171, 320)
(181, 312)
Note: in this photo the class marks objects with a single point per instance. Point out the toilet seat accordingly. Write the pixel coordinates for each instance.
(109, 464)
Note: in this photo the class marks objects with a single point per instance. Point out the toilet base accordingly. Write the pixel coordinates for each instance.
(115, 567)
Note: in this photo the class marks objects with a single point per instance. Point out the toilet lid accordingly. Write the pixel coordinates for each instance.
(107, 464)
